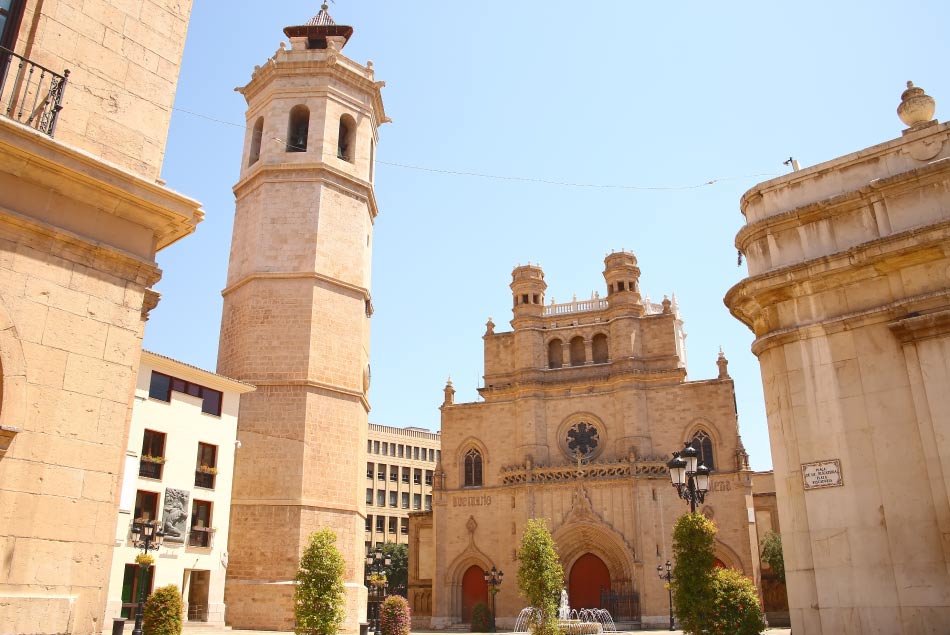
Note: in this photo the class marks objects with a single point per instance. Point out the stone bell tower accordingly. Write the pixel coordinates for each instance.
(296, 319)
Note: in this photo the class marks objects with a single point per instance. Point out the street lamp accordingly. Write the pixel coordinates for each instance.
(690, 480)
(667, 575)
(146, 535)
(376, 565)
(493, 580)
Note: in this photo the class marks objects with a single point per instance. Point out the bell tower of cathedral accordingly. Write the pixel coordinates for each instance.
(295, 321)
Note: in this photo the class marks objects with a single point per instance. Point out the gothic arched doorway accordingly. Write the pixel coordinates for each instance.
(589, 576)
(474, 590)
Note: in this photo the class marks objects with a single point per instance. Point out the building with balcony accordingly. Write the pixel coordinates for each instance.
(178, 470)
(86, 92)
(400, 468)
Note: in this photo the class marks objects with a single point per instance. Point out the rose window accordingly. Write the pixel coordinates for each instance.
(582, 439)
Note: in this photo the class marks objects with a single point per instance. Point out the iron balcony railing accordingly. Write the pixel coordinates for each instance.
(149, 469)
(30, 93)
(204, 479)
(200, 537)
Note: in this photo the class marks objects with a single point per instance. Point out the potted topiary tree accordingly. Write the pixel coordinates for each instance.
(163, 612)
(394, 618)
(540, 576)
(318, 595)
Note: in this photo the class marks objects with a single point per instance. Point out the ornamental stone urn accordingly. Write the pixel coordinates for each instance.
(916, 107)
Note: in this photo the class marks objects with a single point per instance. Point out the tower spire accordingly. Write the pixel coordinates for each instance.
(320, 31)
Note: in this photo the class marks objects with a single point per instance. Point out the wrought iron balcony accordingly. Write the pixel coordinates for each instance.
(150, 469)
(204, 479)
(200, 537)
(29, 93)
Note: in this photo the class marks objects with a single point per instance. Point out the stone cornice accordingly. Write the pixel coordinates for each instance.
(747, 299)
(920, 327)
(293, 64)
(596, 470)
(36, 158)
(898, 310)
(80, 249)
(309, 383)
(901, 145)
(296, 275)
(536, 383)
(315, 171)
(929, 174)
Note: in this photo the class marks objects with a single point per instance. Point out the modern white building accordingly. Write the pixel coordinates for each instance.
(178, 470)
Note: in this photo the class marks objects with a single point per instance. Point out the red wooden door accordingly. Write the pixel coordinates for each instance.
(474, 590)
(589, 576)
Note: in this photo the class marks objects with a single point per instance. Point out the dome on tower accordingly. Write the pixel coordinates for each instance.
(318, 29)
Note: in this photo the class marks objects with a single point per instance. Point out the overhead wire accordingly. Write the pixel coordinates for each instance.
(480, 175)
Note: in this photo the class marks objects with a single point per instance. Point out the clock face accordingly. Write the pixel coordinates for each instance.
(582, 439)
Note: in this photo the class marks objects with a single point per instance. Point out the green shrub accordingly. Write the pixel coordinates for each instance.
(693, 552)
(163, 610)
(318, 595)
(481, 618)
(394, 617)
(735, 609)
(540, 576)
(772, 554)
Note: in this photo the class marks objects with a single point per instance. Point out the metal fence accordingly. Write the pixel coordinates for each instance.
(623, 606)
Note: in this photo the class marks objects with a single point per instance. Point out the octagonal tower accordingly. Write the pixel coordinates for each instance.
(296, 319)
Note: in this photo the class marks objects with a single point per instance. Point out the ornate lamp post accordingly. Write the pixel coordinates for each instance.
(690, 480)
(668, 576)
(376, 565)
(493, 580)
(146, 535)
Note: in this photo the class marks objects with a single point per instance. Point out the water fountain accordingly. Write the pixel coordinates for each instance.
(571, 621)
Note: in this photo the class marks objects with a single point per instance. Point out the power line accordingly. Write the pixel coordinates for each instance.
(482, 175)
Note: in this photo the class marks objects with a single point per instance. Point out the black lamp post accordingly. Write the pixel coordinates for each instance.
(668, 576)
(146, 535)
(376, 564)
(493, 580)
(690, 480)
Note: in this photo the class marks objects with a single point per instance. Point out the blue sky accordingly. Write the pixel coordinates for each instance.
(616, 98)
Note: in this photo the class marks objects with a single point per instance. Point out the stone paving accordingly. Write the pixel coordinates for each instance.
(205, 630)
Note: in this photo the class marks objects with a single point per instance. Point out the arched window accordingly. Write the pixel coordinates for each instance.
(256, 135)
(704, 446)
(555, 354)
(298, 127)
(601, 354)
(473, 468)
(344, 144)
(578, 352)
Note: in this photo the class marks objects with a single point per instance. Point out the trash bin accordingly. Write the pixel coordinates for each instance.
(364, 629)
(118, 625)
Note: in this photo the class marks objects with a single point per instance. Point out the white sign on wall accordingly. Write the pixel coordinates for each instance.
(822, 474)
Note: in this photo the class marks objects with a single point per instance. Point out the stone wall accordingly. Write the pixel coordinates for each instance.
(74, 294)
(848, 298)
(124, 57)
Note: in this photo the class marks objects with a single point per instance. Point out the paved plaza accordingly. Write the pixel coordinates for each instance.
(205, 630)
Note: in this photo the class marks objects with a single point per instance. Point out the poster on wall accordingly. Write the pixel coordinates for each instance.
(175, 514)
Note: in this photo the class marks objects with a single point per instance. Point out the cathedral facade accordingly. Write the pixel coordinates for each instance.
(583, 404)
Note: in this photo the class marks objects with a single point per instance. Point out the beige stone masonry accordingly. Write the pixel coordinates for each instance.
(848, 296)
